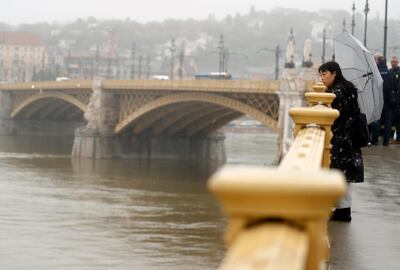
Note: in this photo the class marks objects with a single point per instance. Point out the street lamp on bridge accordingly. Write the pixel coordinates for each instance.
(172, 50)
(323, 45)
(366, 10)
(353, 22)
(222, 54)
(385, 31)
(133, 52)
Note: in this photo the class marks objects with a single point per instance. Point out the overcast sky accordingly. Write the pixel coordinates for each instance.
(30, 11)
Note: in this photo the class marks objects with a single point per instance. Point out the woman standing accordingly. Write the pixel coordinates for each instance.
(345, 156)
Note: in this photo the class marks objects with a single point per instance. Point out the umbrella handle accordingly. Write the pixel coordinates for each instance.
(366, 74)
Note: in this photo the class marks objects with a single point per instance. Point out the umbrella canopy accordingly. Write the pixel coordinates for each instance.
(358, 66)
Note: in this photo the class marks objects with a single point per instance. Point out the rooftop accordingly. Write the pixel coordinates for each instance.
(20, 38)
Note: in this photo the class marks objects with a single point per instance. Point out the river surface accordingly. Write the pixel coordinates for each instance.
(61, 213)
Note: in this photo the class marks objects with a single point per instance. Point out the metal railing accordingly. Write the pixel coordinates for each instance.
(278, 216)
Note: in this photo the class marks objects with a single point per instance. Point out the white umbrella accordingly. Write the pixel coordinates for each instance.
(358, 66)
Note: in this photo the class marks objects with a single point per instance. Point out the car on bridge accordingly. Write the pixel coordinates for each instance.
(213, 76)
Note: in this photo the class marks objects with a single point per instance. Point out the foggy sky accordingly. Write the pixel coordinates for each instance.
(31, 11)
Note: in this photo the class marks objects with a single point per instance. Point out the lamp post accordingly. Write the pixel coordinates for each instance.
(181, 61)
(385, 31)
(366, 10)
(353, 22)
(97, 61)
(140, 67)
(172, 49)
(133, 52)
(148, 66)
(323, 45)
(221, 48)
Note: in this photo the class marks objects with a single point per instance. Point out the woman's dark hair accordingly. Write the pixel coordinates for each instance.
(332, 66)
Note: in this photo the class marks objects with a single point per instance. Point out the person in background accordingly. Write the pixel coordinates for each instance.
(375, 127)
(392, 103)
(345, 156)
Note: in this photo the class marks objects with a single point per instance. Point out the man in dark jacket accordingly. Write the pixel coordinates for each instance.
(374, 127)
(391, 108)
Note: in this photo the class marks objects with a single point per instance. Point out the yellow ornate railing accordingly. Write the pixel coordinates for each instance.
(278, 216)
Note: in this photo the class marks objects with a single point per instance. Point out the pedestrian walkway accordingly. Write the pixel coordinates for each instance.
(372, 240)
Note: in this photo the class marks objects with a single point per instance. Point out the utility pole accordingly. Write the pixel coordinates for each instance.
(181, 61)
(140, 67)
(133, 52)
(109, 67)
(172, 49)
(385, 31)
(148, 66)
(43, 66)
(68, 65)
(221, 54)
(225, 60)
(97, 60)
(366, 10)
(353, 22)
(323, 45)
(277, 55)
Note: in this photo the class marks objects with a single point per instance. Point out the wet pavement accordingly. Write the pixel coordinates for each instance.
(372, 239)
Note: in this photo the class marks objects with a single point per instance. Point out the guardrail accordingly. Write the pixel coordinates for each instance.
(278, 216)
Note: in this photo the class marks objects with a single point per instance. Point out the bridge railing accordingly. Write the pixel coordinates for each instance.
(278, 216)
(47, 85)
(242, 86)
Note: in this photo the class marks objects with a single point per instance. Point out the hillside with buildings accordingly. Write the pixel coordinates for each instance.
(242, 44)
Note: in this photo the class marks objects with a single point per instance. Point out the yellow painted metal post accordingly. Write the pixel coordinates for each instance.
(321, 117)
(254, 195)
(319, 87)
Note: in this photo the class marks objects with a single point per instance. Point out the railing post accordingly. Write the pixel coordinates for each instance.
(319, 98)
(299, 198)
(321, 117)
(319, 87)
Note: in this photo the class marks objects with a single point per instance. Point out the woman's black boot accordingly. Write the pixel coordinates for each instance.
(341, 214)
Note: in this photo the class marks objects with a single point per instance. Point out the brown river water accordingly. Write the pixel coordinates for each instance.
(61, 213)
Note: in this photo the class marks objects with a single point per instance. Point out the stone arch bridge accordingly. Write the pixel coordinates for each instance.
(144, 118)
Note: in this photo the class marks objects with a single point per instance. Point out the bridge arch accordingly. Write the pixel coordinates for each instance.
(68, 98)
(197, 97)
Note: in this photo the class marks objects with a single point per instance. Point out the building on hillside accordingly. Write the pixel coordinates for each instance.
(22, 55)
(85, 66)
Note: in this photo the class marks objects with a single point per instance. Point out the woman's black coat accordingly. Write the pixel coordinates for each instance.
(344, 156)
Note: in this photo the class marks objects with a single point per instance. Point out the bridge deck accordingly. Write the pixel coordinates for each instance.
(241, 86)
(372, 239)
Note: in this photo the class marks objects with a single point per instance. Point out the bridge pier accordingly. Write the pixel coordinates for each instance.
(6, 123)
(97, 140)
(100, 146)
(210, 147)
(93, 145)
